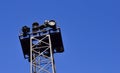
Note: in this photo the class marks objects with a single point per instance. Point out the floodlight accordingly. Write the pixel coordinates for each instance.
(35, 27)
(40, 45)
(48, 28)
(51, 24)
(25, 30)
(42, 27)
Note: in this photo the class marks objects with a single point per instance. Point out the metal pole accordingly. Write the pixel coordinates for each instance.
(30, 54)
(36, 65)
(52, 57)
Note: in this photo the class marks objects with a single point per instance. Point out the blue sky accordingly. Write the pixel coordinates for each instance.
(90, 31)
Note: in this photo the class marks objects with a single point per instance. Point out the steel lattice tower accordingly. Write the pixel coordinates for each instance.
(40, 45)
(42, 61)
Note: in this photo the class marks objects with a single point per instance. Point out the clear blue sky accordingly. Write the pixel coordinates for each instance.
(90, 30)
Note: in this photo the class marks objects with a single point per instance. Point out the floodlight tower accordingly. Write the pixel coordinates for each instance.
(40, 45)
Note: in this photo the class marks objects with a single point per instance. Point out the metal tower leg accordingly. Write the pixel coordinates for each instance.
(41, 55)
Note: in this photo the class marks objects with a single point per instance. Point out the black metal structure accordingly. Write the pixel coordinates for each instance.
(42, 42)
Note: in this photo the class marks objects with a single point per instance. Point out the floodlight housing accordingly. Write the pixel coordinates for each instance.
(41, 27)
(35, 27)
(51, 24)
(25, 30)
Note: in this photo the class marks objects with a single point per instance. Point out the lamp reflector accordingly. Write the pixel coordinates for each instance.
(51, 23)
